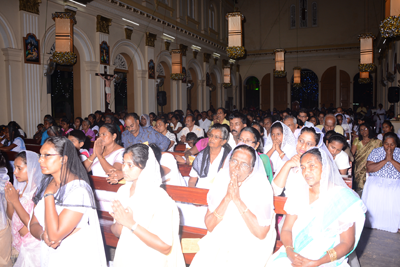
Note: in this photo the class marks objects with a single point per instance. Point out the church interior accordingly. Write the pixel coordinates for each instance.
(70, 59)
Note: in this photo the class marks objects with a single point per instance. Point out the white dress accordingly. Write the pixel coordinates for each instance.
(84, 247)
(174, 177)
(104, 198)
(159, 216)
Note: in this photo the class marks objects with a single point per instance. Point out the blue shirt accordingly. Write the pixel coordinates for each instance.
(146, 134)
(44, 137)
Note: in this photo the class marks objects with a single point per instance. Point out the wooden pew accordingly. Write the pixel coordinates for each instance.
(180, 147)
(177, 193)
(30, 141)
(34, 148)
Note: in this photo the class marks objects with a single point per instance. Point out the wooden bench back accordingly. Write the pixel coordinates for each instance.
(30, 141)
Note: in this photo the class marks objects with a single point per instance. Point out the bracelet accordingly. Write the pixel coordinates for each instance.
(283, 153)
(217, 215)
(91, 161)
(332, 254)
(46, 195)
(134, 227)
(289, 247)
(244, 211)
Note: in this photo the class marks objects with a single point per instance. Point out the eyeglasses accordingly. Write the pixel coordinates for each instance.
(243, 166)
(46, 156)
(211, 136)
(247, 142)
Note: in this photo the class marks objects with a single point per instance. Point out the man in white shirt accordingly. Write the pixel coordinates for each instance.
(204, 122)
(190, 128)
(291, 122)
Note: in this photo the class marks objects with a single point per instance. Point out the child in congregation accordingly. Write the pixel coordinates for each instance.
(80, 141)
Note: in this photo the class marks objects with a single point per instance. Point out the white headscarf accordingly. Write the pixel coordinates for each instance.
(288, 142)
(255, 191)
(4, 178)
(147, 119)
(34, 176)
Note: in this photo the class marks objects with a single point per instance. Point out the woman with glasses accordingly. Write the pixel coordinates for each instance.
(251, 137)
(239, 216)
(65, 218)
(281, 145)
(211, 159)
(361, 148)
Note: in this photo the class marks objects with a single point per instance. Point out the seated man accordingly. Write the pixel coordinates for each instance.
(291, 122)
(190, 128)
(330, 124)
(135, 133)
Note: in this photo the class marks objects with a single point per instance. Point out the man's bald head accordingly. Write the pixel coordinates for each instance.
(329, 122)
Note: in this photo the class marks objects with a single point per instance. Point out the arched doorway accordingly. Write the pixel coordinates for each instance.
(362, 93)
(252, 92)
(192, 90)
(66, 90)
(328, 88)
(266, 92)
(307, 94)
(123, 84)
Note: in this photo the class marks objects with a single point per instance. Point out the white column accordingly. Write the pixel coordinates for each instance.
(32, 78)
(92, 85)
(150, 97)
(338, 104)
(174, 94)
(200, 88)
(12, 97)
(140, 106)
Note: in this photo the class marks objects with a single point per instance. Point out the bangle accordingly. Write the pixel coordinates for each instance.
(244, 211)
(46, 195)
(332, 254)
(91, 161)
(283, 153)
(217, 215)
(134, 227)
(289, 247)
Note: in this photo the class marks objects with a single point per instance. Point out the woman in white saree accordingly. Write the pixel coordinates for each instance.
(65, 217)
(325, 218)
(280, 146)
(146, 218)
(240, 215)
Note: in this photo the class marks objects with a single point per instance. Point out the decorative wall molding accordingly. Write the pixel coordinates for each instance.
(120, 62)
(206, 57)
(150, 39)
(31, 6)
(128, 32)
(103, 24)
(183, 48)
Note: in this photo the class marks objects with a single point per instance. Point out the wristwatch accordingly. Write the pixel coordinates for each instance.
(134, 227)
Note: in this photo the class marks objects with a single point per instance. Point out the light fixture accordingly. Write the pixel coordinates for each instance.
(279, 71)
(364, 77)
(227, 76)
(196, 48)
(176, 56)
(366, 52)
(169, 36)
(130, 21)
(64, 48)
(235, 47)
(297, 77)
(390, 26)
(77, 3)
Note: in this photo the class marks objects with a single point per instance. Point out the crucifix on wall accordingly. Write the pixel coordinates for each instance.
(108, 78)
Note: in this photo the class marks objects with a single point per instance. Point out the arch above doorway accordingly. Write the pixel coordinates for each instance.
(6, 33)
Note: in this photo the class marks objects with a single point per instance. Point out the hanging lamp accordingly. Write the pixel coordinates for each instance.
(235, 47)
(176, 57)
(364, 77)
(297, 77)
(64, 50)
(279, 71)
(366, 52)
(227, 76)
(390, 26)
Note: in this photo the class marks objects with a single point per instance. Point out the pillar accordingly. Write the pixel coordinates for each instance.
(92, 84)
(139, 94)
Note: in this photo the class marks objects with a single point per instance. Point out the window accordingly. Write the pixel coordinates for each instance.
(211, 17)
(303, 13)
(292, 16)
(190, 6)
(314, 15)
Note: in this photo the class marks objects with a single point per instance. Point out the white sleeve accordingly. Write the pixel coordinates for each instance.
(193, 173)
(342, 161)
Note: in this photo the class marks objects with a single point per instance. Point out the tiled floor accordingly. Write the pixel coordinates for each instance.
(379, 249)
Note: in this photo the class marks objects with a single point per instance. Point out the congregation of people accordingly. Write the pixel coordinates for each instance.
(49, 211)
